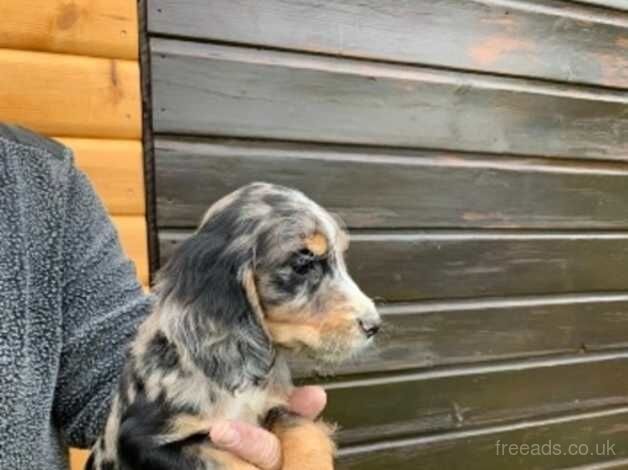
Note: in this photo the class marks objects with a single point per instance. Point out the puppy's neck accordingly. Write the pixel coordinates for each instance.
(210, 373)
(232, 356)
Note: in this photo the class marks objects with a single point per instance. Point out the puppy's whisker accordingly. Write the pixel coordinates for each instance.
(389, 329)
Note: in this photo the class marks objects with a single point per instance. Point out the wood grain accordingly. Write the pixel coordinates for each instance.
(70, 96)
(237, 92)
(459, 398)
(406, 266)
(435, 334)
(133, 236)
(377, 188)
(477, 450)
(100, 28)
(116, 169)
(547, 39)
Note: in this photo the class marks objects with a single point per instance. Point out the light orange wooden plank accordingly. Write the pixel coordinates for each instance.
(116, 169)
(70, 96)
(101, 28)
(78, 457)
(132, 231)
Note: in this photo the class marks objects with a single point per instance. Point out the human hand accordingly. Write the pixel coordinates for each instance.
(257, 445)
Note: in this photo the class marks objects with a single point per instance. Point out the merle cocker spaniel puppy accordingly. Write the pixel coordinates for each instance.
(263, 274)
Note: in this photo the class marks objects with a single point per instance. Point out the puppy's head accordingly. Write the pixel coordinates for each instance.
(267, 258)
(306, 297)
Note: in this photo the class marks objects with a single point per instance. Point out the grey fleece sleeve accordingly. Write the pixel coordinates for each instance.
(102, 305)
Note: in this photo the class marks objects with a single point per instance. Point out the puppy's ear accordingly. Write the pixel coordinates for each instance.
(250, 288)
(209, 308)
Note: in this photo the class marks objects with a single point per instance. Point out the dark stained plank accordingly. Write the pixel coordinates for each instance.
(443, 333)
(406, 266)
(239, 92)
(478, 449)
(422, 266)
(377, 188)
(548, 39)
(460, 398)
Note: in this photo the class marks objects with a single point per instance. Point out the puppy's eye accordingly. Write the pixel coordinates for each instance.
(303, 262)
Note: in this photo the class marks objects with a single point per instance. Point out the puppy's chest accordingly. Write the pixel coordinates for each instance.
(249, 405)
(252, 403)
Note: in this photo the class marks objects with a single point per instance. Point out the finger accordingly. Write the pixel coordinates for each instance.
(308, 401)
(248, 442)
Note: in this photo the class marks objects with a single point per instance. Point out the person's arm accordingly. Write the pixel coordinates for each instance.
(102, 306)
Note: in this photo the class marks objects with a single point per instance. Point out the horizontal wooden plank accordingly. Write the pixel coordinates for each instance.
(546, 38)
(406, 266)
(459, 398)
(373, 188)
(101, 28)
(134, 239)
(70, 96)
(116, 169)
(431, 334)
(238, 92)
(480, 449)
(447, 265)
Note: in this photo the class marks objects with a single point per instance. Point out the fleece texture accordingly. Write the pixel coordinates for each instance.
(69, 304)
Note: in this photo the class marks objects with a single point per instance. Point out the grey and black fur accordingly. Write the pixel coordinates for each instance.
(264, 273)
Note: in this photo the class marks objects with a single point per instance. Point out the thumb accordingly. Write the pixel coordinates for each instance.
(251, 443)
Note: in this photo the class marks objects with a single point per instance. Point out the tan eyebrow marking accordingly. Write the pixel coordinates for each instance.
(317, 244)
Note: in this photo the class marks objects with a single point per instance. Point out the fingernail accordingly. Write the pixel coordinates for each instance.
(223, 434)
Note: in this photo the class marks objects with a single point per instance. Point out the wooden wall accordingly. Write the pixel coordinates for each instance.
(70, 70)
(478, 151)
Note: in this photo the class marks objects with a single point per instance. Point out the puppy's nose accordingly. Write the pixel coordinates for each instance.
(370, 327)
